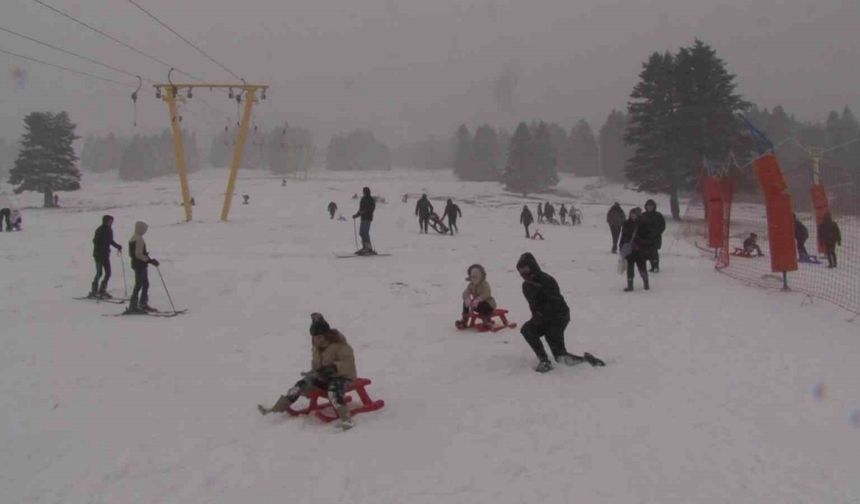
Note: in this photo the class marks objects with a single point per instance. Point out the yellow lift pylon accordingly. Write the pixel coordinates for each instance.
(170, 93)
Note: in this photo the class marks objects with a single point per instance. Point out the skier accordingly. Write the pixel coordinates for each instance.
(452, 210)
(801, 234)
(549, 212)
(478, 297)
(635, 247)
(102, 242)
(140, 262)
(4, 215)
(550, 314)
(526, 219)
(656, 225)
(615, 219)
(562, 214)
(829, 236)
(540, 213)
(16, 220)
(366, 207)
(751, 245)
(423, 208)
(332, 368)
(332, 208)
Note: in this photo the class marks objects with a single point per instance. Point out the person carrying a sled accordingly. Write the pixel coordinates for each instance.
(550, 314)
(332, 369)
(423, 209)
(751, 245)
(452, 211)
(332, 209)
(526, 219)
(477, 296)
(366, 207)
(102, 242)
(829, 236)
(140, 261)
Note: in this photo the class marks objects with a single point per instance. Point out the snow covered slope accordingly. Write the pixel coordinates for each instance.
(715, 392)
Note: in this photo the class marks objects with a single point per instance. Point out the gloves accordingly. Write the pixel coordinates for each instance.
(329, 371)
(355, 216)
(475, 302)
(154, 262)
(119, 248)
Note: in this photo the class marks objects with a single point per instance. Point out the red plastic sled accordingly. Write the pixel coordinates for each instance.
(739, 252)
(320, 406)
(476, 322)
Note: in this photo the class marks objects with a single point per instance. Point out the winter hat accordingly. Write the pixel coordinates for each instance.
(636, 211)
(318, 324)
(106, 218)
(650, 202)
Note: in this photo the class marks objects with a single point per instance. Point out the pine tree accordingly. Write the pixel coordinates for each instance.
(485, 163)
(544, 168)
(463, 155)
(614, 152)
(46, 161)
(518, 176)
(583, 150)
(562, 153)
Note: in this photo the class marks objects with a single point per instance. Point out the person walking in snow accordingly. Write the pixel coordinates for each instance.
(635, 247)
(16, 220)
(332, 208)
(140, 261)
(801, 234)
(526, 219)
(615, 218)
(102, 242)
(550, 314)
(366, 207)
(549, 212)
(562, 214)
(829, 236)
(423, 209)
(477, 297)
(452, 211)
(332, 369)
(540, 213)
(656, 225)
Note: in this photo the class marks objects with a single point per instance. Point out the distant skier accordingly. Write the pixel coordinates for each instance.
(332, 209)
(102, 242)
(540, 213)
(751, 245)
(5, 215)
(526, 219)
(366, 207)
(635, 247)
(452, 211)
(477, 296)
(562, 214)
(549, 212)
(332, 368)
(801, 234)
(140, 261)
(423, 208)
(615, 218)
(550, 314)
(829, 236)
(656, 225)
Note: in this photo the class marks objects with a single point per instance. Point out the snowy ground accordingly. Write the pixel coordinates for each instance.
(714, 392)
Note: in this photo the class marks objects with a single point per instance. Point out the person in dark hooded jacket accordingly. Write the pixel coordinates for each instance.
(634, 247)
(102, 242)
(801, 234)
(550, 314)
(615, 218)
(423, 209)
(526, 219)
(452, 211)
(332, 209)
(366, 208)
(829, 236)
(549, 212)
(656, 226)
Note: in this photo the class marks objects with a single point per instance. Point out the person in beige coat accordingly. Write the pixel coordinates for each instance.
(332, 369)
(477, 296)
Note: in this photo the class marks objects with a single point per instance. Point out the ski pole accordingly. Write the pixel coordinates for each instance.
(165, 289)
(124, 282)
(355, 233)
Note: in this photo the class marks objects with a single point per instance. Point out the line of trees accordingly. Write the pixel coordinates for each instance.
(358, 150)
(283, 149)
(140, 157)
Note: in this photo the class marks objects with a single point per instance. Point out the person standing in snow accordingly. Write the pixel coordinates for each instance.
(635, 247)
(4, 215)
(15, 218)
(526, 219)
(615, 218)
(140, 261)
(829, 236)
(550, 314)
(423, 209)
(801, 234)
(540, 213)
(102, 242)
(549, 212)
(478, 297)
(366, 207)
(332, 369)
(656, 226)
(452, 211)
(332, 208)
(562, 214)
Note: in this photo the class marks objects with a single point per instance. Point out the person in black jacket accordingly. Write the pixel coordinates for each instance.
(549, 212)
(366, 207)
(332, 208)
(801, 234)
(452, 210)
(562, 214)
(550, 314)
(635, 246)
(656, 225)
(829, 236)
(615, 218)
(526, 219)
(540, 213)
(423, 208)
(102, 242)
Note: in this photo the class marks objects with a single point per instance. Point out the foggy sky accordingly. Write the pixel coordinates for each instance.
(409, 68)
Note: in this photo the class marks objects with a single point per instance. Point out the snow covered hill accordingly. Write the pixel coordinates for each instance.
(714, 392)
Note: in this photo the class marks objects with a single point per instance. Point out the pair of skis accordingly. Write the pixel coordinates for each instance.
(98, 299)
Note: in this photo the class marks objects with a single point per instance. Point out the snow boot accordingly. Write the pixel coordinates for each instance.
(645, 283)
(105, 295)
(263, 410)
(543, 366)
(569, 359)
(629, 285)
(134, 310)
(594, 361)
(93, 295)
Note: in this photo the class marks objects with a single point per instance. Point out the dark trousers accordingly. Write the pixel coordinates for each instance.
(830, 251)
(527, 230)
(452, 225)
(423, 222)
(616, 232)
(102, 265)
(654, 258)
(364, 233)
(636, 258)
(334, 388)
(802, 253)
(141, 288)
(532, 331)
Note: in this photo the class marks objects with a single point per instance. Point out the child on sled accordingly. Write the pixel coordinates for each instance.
(477, 297)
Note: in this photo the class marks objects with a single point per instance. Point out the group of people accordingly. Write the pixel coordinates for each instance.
(638, 239)
(546, 214)
(13, 219)
(425, 213)
(829, 236)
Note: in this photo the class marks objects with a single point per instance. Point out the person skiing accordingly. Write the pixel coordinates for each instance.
(140, 261)
(540, 213)
(332, 208)
(635, 247)
(615, 218)
(751, 245)
(423, 208)
(549, 212)
(801, 234)
(656, 225)
(102, 242)
(332, 369)
(526, 219)
(366, 207)
(550, 314)
(829, 236)
(452, 210)
(478, 297)
(562, 214)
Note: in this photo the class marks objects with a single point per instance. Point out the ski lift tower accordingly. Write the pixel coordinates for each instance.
(170, 94)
